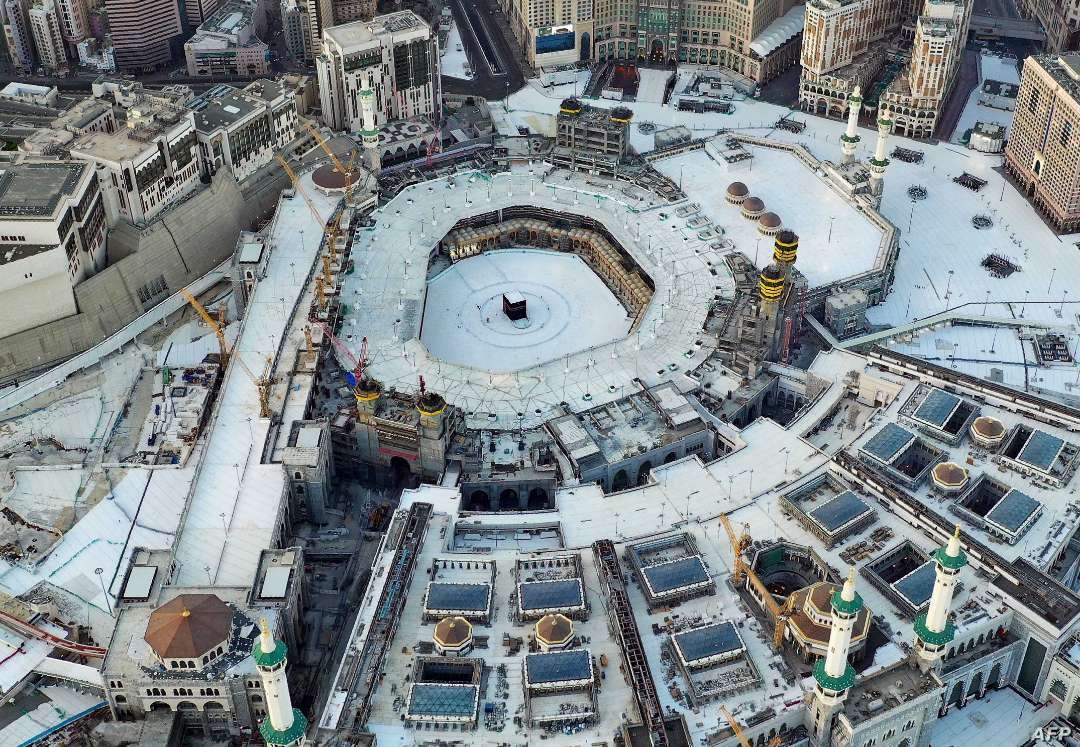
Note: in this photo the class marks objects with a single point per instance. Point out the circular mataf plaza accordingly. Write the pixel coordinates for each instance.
(517, 298)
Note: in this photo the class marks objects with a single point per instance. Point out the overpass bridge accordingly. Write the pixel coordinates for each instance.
(991, 27)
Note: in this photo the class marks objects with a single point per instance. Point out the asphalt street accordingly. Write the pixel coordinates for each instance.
(496, 63)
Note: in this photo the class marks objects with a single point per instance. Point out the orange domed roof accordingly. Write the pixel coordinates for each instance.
(554, 628)
(738, 189)
(753, 205)
(452, 631)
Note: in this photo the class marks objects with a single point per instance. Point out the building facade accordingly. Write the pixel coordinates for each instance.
(1043, 153)
(396, 56)
(17, 34)
(242, 129)
(52, 236)
(147, 164)
(1060, 20)
(757, 39)
(143, 32)
(916, 97)
(48, 40)
(844, 45)
(228, 43)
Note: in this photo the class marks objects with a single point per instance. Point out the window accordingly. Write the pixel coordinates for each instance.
(1033, 102)
(1066, 132)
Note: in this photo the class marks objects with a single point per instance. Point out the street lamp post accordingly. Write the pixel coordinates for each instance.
(98, 572)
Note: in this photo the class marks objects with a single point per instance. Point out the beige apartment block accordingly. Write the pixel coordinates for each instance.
(1043, 153)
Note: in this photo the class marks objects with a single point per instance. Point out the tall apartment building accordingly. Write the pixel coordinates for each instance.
(74, 24)
(196, 12)
(17, 34)
(395, 55)
(146, 163)
(323, 14)
(52, 236)
(228, 43)
(844, 45)
(1043, 153)
(1060, 20)
(48, 40)
(145, 33)
(242, 129)
(295, 29)
(757, 39)
(916, 96)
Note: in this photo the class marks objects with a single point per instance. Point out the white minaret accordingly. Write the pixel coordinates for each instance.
(933, 630)
(833, 674)
(879, 161)
(284, 726)
(850, 139)
(370, 133)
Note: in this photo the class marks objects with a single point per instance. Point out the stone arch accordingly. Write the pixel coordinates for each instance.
(157, 705)
(480, 501)
(994, 680)
(643, 472)
(957, 694)
(508, 499)
(186, 705)
(620, 481)
(584, 54)
(1074, 712)
(213, 705)
(671, 457)
(905, 742)
(399, 467)
(976, 686)
(1059, 690)
(538, 498)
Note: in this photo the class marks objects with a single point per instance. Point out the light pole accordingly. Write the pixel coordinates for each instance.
(1053, 271)
(108, 604)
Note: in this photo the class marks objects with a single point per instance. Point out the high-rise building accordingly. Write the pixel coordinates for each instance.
(74, 24)
(48, 40)
(916, 96)
(1043, 153)
(196, 12)
(844, 45)
(295, 29)
(757, 39)
(1060, 20)
(17, 34)
(323, 14)
(394, 55)
(143, 32)
(228, 43)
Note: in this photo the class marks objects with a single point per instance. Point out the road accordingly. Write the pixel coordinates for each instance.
(496, 64)
(966, 81)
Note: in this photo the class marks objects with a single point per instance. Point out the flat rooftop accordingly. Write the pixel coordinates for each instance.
(839, 511)
(558, 666)
(675, 574)
(546, 595)
(836, 240)
(221, 106)
(718, 639)
(33, 190)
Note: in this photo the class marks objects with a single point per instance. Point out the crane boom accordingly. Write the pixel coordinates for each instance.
(735, 728)
(212, 323)
(299, 188)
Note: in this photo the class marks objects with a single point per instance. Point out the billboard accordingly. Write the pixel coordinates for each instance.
(555, 39)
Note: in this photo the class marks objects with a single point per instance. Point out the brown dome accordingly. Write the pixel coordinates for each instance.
(737, 189)
(189, 626)
(554, 629)
(950, 474)
(452, 632)
(753, 205)
(770, 220)
(988, 427)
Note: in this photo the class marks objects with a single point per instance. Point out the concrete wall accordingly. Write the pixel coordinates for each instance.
(187, 242)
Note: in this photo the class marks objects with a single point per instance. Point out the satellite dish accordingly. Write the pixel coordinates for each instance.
(350, 378)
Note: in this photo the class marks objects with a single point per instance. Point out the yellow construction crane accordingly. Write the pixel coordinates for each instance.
(345, 173)
(779, 615)
(298, 187)
(739, 545)
(212, 323)
(263, 382)
(738, 731)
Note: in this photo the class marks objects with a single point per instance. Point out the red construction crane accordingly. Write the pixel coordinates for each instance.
(354, 377)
